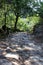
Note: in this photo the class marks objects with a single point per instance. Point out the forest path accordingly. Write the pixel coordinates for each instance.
(21, 49)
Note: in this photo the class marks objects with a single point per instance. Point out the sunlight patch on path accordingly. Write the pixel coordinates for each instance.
(9, 55)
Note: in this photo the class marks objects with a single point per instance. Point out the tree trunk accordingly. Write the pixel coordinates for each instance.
(4, 26)
(5, 19)
(15, 27)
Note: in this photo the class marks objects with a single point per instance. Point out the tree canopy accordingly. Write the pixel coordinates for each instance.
(20, 8)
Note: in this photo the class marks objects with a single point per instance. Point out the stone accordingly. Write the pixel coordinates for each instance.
(10, 55)
(1, 51)
(5, 62)
(38, 30)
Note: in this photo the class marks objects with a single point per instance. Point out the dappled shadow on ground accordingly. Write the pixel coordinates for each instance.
(21, 49)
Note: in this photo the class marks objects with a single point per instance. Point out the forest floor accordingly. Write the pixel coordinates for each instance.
(21, 49)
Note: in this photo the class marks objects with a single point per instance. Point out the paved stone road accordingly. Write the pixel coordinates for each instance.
(21, 49)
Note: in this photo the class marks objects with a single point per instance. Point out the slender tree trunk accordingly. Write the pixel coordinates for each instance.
(4, 26)
(5, 19)
(15, 27)
(5, 16)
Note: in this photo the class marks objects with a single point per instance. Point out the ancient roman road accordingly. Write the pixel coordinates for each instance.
(21, 49)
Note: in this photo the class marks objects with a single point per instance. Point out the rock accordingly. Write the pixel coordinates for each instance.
(5, 62)
(38, 30)
(1, 51)
(10, 55)
(2, 57)
(27, 62)
(8, 50)
(16, 63)
(21, 50)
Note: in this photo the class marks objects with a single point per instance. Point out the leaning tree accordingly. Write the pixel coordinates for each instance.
(22, 8)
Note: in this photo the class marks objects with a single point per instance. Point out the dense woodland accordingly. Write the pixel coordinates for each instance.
(20, 15)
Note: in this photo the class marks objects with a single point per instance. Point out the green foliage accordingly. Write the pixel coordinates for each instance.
(22, 11)
(22, 24)
(10, 20)
(40, 10)
(34, 20)
(27, 24)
